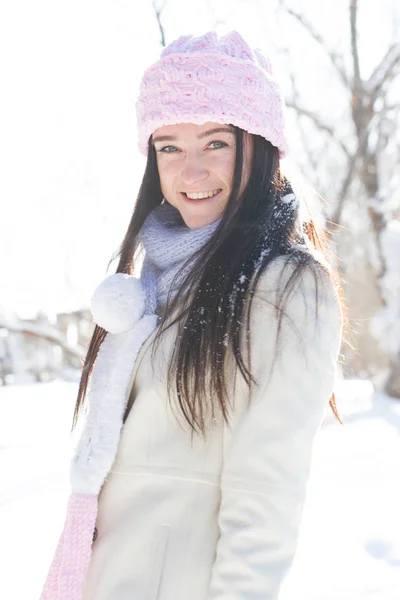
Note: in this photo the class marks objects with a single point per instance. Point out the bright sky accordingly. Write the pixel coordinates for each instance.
(70, 168)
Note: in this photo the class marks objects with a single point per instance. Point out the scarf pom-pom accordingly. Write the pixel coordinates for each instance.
(118, 303)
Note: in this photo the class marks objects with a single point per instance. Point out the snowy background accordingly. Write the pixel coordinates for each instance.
(349, 546)
(70, 175)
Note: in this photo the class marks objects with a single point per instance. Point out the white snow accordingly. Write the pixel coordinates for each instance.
(385, 325)
(349, 547)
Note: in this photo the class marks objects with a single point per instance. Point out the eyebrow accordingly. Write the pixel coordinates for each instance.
(169, 138)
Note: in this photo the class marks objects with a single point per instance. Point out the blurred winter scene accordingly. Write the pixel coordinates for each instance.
(70, 175)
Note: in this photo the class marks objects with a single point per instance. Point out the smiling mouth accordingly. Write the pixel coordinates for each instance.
(196, 196)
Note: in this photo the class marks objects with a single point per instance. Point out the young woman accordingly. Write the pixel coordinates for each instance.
(208, 376)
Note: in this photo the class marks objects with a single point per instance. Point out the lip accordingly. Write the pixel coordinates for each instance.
(201, 200)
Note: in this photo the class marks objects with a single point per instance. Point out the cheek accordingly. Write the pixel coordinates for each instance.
(167, 174)
(223, 167)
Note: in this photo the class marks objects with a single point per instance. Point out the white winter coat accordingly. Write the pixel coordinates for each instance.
(219, 519)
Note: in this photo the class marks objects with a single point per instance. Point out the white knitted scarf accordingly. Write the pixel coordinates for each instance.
(126, 307)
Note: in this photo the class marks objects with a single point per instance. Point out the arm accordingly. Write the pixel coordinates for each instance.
(267, 464)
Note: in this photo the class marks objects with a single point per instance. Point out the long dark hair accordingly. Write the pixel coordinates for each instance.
(211, 308)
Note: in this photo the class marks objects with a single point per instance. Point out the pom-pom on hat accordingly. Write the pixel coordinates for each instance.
(200, 79)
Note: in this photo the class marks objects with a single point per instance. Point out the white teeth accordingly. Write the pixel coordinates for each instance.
(201, 195)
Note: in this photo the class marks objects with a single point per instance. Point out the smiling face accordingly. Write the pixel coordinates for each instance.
(196, 165)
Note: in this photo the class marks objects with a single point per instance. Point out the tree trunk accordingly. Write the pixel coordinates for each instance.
(392, 387)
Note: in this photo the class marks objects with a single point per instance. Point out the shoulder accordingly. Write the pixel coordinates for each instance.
(295, 322)
(295, 300)
(298, 284)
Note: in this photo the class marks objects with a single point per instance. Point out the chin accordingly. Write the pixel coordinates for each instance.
(197, 222)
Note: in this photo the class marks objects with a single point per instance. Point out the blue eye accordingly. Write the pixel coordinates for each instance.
(222, 144)
(166, 149)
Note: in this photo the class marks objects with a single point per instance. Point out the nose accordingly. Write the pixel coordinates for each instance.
(193, 170)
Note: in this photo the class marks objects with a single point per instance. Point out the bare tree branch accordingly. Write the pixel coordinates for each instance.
(333, 56)
(49, 335)
(319, 124)
(385, 70)
(337, 215)
(377, 72)
(295, 95)
(158, 8)
(351, 167)
(357, 83)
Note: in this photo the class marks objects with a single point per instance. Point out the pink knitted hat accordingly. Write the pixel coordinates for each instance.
(200, 79)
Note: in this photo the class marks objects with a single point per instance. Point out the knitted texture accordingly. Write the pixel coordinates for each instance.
(68, 571)
(168, 245)
(112, 306)
(106, 400)
(201, 79)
